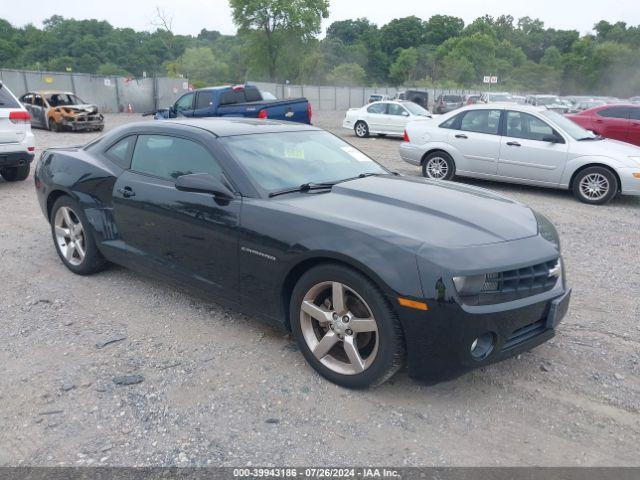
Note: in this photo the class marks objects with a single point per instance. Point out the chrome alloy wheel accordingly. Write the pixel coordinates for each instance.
(70, 237)
(437, 168)
(594, 186)
(339, 328)
(361, 129)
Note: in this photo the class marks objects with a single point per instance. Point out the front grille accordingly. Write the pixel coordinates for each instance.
(525, 333)
(519, 283)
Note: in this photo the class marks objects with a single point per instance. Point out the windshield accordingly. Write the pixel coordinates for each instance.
(276, 161)
(568, 126)
(547, 100)
(416, 109)
(61, 99)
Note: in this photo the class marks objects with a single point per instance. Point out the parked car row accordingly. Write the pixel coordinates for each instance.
(523, 144)
(382, 118)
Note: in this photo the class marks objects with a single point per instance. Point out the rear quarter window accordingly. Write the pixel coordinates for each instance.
(7, 100)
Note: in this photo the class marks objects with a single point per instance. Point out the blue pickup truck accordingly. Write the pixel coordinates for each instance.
(237, 101)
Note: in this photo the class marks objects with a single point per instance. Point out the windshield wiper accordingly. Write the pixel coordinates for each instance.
(305, 187)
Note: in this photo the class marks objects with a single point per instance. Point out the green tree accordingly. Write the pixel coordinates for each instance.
(404, 68)
(268, 24)
(402, 33)
(347, 74)
(440, 28)
(200, 64)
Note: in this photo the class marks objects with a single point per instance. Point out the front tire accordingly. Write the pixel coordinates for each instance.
(345, 328)
(595, 186)
(16, 174)
(73, 238)
(438, 166)
(361, 129)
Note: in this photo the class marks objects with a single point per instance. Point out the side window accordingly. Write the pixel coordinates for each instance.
(252, 94)
(119, 153)
(27, 99)
(169, 157)
(204, 99)
(229, 97)
(38, 101)
(481, 121)
(452, 122)
(185, 102)
(615, 112)
(377, 108)
(523, 125)
(395, 109)
(635, 114)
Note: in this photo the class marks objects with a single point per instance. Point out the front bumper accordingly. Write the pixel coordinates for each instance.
(15, 159)
(629, 185)
(82, 125)
(439, 340)
(410, 153)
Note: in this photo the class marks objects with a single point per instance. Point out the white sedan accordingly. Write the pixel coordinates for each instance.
(523, 144)
(383, 118)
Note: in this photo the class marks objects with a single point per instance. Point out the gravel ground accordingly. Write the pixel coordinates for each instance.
(202, 385)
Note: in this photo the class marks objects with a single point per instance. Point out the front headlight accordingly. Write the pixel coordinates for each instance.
(547, 230)
(470, 285)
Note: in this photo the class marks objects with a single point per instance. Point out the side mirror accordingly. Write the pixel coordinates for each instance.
(405, 114)
(203, 183)
(553, 139)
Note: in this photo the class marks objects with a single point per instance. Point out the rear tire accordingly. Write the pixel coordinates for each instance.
(438, 166)
(73, 238)
(595, 186)
(16, 174)
(361, 129)
(363, 351)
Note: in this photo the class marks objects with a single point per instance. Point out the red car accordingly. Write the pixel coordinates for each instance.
(619, 122)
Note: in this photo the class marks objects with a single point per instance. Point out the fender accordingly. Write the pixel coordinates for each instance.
(575, 164)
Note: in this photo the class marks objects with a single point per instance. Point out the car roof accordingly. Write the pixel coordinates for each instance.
(230, 126)
(503, 106)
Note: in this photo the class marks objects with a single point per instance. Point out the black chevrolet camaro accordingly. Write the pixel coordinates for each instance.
(368, 269)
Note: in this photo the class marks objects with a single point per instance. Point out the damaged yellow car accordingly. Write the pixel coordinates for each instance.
(61, 111)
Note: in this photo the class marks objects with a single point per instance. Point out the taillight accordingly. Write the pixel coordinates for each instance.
(31, 149)
(262, 114)
(405, 137)
(19, 116)
(310, 111)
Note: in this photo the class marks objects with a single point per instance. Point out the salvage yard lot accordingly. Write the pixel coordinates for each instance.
(221, 388)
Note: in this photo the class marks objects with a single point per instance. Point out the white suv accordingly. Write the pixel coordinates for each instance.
(17, 143)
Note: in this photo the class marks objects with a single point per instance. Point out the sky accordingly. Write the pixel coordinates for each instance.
(190, 16)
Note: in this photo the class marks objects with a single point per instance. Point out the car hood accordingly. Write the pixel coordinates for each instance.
(415, 211)
(606, 148)
(84, 108)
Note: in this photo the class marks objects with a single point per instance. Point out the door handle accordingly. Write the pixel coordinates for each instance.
(461, 135)
(514, 144)
(127, 192)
